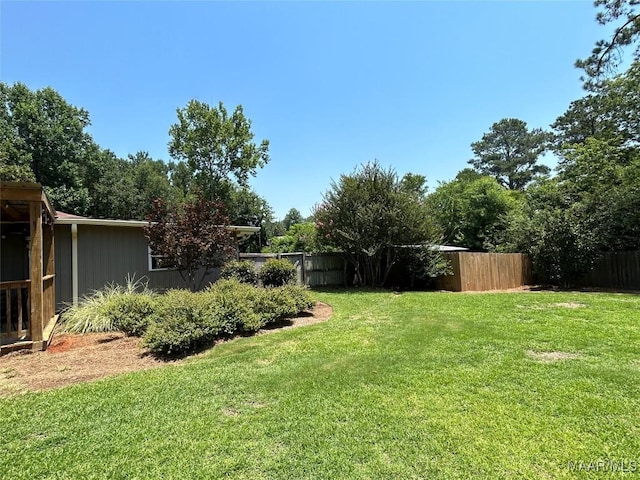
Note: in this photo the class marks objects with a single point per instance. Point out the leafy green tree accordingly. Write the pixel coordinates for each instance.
(509, 152)
(248, 208)
(301, 237)
(193, 239)
(414, 183)
(292, 217)
(605, 181)
(217, 147)
(370, 217)
(126, 188)
(556, 232)
(44, 134)
(473, 211)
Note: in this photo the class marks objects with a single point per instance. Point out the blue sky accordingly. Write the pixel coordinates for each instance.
(331, 85)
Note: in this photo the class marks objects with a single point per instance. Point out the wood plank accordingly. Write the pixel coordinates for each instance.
(8, 312)
(20, 323)
(24, 194)
(35, 223)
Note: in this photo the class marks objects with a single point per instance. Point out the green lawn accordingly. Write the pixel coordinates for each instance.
(417, 385)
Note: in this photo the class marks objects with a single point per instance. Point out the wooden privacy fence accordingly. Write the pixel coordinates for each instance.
(486, 271)
(314, 269)
(619, 270)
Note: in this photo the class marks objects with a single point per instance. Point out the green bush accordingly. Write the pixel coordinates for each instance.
(182, 322)
(285, 302)
(242, 270)
(234, 306)
(99, 311)
(300, 296)
(131, 313)
(277, 272)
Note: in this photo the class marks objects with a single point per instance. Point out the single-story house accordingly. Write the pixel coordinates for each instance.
(88, 254)
(91, 253)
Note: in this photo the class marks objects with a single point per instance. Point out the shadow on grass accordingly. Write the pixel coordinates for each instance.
(555, 288)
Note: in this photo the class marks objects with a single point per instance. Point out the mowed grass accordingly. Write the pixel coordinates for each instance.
(416, 385)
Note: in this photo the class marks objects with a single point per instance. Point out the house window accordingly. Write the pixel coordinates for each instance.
(159, 263)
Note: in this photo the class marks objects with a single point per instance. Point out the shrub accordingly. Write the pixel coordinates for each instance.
(300, 296)
(182, 322)
(98, 312)
(242, 270)
(131, 313)
(234, 306)
(277, 272)
(286, 301)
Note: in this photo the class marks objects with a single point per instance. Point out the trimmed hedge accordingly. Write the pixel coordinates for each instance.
(185, 321)
(242, 270)
(182, 322)
(277, 272)
(132, 313)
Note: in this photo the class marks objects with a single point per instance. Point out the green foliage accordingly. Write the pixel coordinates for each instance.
(185, 321)
(242, 270)
(182, 323)
(234, 306)
(292, 217)
(425, 263)
(473, 212)
(217, 147)
(290, 299)
(112, 308)
(15, 173)
(301, 237)
(370, 215)
(132, 313)
(607, 54)
(45, 135)
(277, 272)
(560, 236)
(609, 113)
(509, 152)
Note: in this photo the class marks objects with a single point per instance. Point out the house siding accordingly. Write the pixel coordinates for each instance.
(108, 255)
(62, 244)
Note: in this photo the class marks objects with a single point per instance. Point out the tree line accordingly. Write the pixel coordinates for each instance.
(506, 201)
(44, 138)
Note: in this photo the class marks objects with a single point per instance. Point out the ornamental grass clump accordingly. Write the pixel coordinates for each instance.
(113, 308)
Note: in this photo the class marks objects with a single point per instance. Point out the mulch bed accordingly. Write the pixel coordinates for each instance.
(73, 359)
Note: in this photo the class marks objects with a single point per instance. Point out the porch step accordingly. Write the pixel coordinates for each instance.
(12, 347)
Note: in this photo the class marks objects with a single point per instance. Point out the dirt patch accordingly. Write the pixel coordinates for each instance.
(73, 359)
(550, 357)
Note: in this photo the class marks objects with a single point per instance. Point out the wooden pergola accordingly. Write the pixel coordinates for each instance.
(27, 305)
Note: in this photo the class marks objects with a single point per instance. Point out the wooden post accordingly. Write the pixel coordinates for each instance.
(50, 270)
(48, 246)
(35, 289)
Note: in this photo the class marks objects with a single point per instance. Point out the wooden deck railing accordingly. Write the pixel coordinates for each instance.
(14, 310)
(48, 299)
